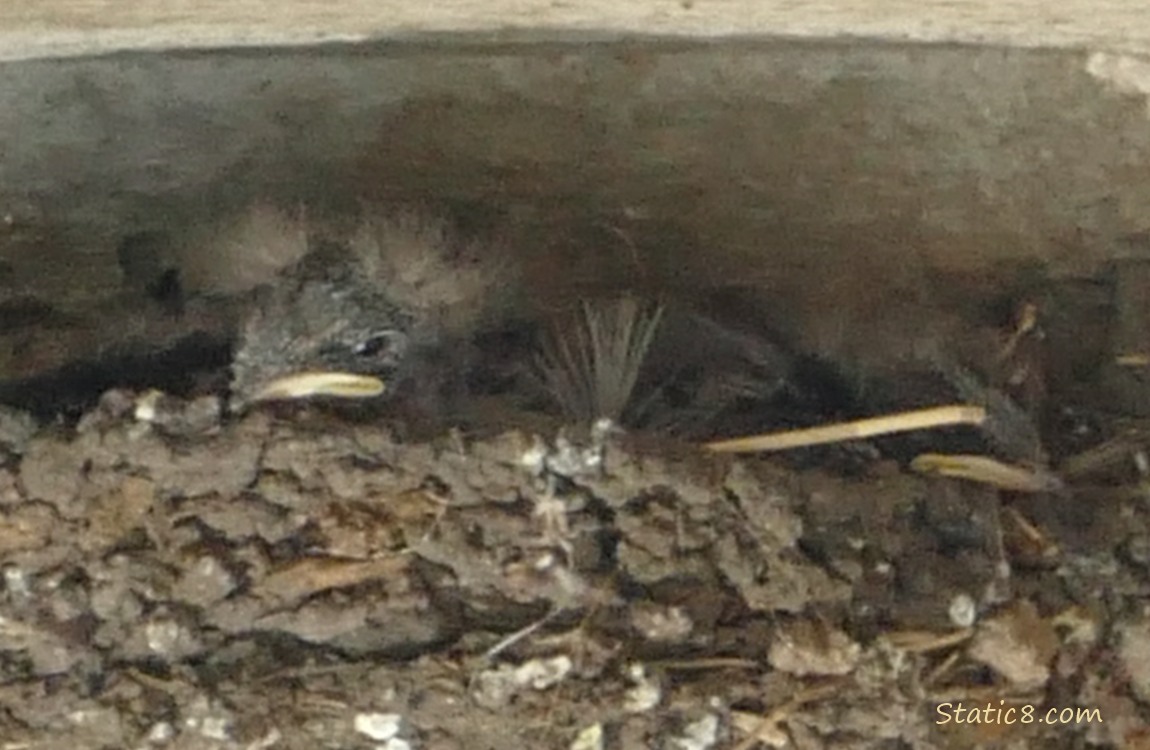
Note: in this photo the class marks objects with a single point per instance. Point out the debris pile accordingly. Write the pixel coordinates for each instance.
(175, 578)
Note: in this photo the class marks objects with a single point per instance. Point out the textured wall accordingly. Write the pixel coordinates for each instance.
(58, 27)
(861, 172)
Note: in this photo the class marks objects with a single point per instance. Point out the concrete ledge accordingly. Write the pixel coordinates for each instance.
(56, 28)
(809, 151)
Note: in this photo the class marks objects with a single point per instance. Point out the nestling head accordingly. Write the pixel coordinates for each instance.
(349, 319)
(322, 330)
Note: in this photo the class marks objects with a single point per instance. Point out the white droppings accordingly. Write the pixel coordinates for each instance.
(216, 728)
(590, 738)
(644, 695)
(16, 583)
(698, 735)
(208, 719)
(161, 635)
(395, 743)
(541, 674)
(146, 404)
(962, 611)
(161, 733)
(377, 726)
(83, 716)
(495, 687)
(534, 459)
(660, 623)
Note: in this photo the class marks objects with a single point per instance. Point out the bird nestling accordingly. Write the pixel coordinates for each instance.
(348, 319)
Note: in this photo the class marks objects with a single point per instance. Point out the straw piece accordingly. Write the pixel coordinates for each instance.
(985, 470)
(939, 416)
(1114, 453)
(1133, 359)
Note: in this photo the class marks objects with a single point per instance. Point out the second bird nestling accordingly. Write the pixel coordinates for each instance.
(393, 301)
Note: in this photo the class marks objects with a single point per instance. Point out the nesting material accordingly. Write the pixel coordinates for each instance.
(986, 470)
(1018, 644)
(1133, 359)
(921, 419)
(590, 365)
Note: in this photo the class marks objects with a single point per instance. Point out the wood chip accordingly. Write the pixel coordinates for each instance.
(313, 575)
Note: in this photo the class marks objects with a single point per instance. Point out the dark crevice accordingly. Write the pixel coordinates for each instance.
(70, 390)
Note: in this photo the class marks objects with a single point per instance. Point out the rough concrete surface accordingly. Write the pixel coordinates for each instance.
(53, 28)
(879, 171)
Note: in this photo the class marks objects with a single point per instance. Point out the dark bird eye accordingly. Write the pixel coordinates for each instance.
(375, 345)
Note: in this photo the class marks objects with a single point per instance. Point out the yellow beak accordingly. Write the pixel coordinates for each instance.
(310, 384)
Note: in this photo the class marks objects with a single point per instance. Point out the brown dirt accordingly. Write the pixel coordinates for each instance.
(297, 581)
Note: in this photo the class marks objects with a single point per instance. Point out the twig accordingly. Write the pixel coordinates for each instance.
(939, 416)
(519, 635)
(1103, 457)
(767, 730)
(921, 642)
(716, 662)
